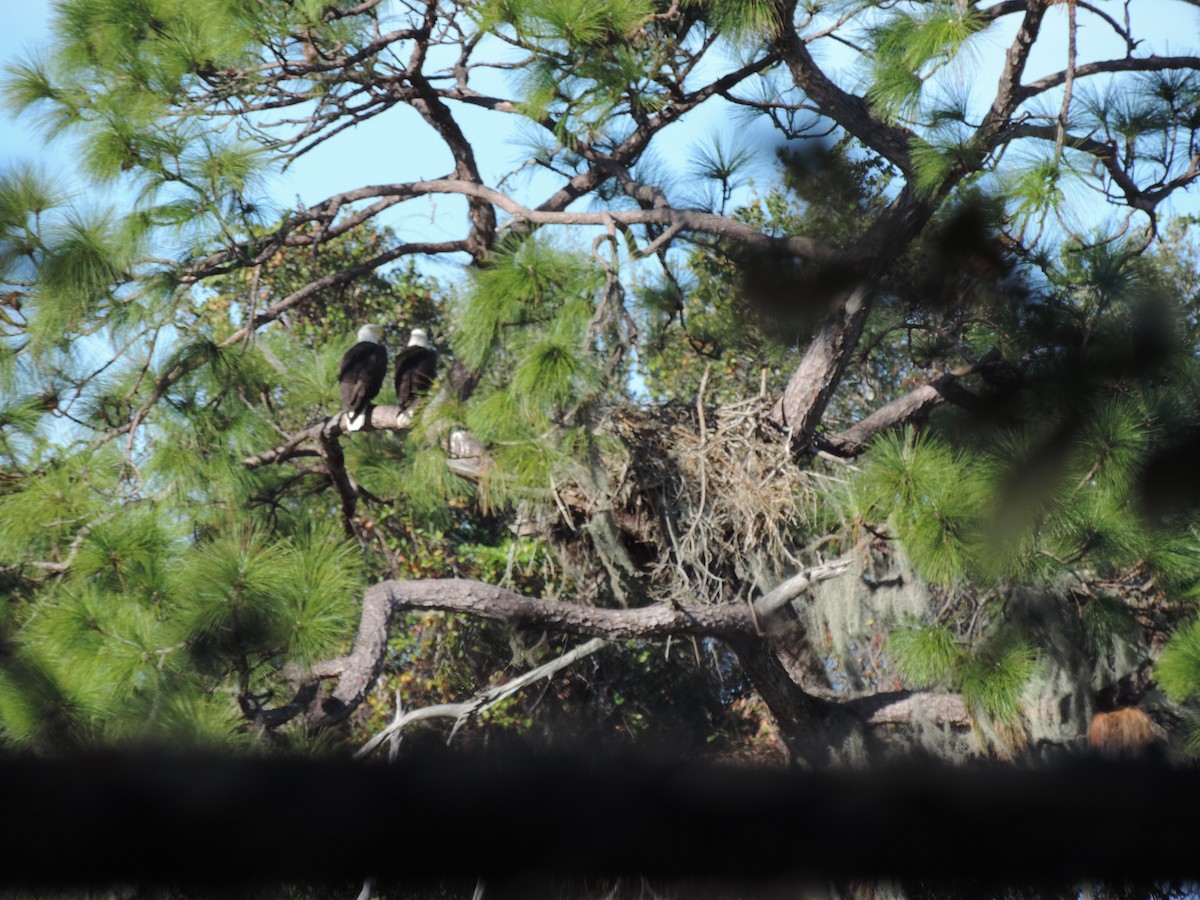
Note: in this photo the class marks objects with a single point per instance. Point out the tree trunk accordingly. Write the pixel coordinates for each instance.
(816, 731)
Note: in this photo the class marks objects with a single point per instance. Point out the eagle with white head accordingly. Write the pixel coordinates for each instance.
(416, 367)
(361, 376)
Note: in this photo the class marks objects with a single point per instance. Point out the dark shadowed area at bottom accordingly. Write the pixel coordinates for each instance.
(173, 818)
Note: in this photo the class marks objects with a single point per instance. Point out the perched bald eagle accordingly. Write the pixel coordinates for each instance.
(416, 366)
(363, 368)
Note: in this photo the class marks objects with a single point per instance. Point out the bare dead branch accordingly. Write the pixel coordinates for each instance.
(484, 700)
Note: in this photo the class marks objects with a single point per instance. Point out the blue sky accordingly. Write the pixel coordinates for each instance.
(399, 146)
(368, 154)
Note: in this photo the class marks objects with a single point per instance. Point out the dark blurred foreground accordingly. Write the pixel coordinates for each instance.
(200, 821)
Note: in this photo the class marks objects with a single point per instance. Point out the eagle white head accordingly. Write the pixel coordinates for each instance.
(371, 334)
(419, 339)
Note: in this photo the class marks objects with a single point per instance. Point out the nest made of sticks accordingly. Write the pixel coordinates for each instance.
(701, 504)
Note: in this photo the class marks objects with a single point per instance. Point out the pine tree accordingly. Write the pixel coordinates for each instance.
(887, 381)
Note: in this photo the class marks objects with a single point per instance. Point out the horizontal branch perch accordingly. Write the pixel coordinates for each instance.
(905, 409)
(356, 673)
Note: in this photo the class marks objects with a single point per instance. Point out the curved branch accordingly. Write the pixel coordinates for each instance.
(356, 672)
(909, 407)
(1106, 154)
(680, 219)
(1108, 66)
(484, 700)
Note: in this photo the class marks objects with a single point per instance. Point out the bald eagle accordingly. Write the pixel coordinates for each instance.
(363, 368)
(416, 366)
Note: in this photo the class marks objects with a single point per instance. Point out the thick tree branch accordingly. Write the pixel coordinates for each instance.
(683, 220)
(810, 388)
(851, 112)
(356, 673)
(910, 407)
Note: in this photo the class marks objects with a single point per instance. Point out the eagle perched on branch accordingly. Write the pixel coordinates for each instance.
(361, 376)
(416, 367)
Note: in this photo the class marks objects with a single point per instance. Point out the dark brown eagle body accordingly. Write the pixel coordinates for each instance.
(364, 367)
(416, 367)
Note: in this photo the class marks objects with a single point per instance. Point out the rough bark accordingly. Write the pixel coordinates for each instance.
(813, 728)
(800, 408)
(913, 406)
(907, 708)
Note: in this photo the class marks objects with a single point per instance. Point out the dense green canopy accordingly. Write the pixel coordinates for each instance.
(862, 423)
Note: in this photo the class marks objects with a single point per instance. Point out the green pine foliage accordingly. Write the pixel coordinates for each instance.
(990, 675)
(935, 498)
(740, 20)
(1106, 620)
(909, 47)
(528, 327)
(927, 656)
(992, 680)
(588, 63)
(1178, 669)
(149, 620)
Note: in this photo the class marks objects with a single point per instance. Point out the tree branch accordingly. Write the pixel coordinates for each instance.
(356, 673)
(914, 404)
(851, 112)
(382, 418)
(1108, 66)
(1009, 93)
(335, 462)
(802, 404)
(1106, 154)
(484, 700)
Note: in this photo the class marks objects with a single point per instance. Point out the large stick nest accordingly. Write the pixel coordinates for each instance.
(696, 506)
